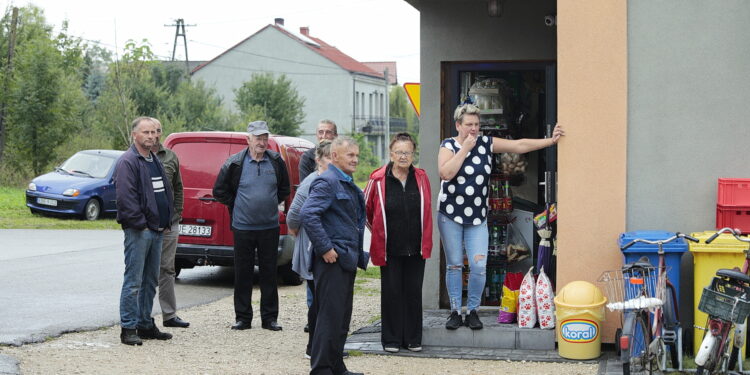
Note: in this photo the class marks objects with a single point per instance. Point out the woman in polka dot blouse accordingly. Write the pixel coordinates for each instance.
(464, 164)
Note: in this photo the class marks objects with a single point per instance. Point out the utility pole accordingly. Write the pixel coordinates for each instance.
(180, 32)
(8, 71)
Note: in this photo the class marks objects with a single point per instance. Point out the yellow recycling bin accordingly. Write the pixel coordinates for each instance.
(724, 252)
(579, 308)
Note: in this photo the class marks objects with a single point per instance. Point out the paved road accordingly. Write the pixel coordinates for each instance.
(55, 281)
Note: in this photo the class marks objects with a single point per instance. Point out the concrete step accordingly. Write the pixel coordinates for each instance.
(494, 335)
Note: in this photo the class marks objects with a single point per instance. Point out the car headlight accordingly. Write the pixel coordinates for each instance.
(32, 186)
(71, 192)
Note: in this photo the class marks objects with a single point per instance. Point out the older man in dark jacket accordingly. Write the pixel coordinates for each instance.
(335, 220)
(252, 183)
(144, 209)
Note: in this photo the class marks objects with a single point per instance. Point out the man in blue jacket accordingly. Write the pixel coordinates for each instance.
(335, 222)
(144, 209)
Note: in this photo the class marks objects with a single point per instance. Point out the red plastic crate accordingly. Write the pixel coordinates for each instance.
(733, 217)
(734, 192)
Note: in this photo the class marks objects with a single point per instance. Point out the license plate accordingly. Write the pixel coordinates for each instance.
(46, 202)
(195, 230)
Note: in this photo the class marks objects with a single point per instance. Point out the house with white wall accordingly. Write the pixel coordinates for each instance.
(334, 85)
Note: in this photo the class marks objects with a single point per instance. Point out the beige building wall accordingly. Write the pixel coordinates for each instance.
(592, 106)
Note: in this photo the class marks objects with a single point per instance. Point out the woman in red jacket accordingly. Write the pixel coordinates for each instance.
(399, 216)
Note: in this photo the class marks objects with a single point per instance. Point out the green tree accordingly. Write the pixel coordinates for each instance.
(129, 91)
(44, 104)
(400, 107)
(199, 108)
(276, 99)
(368, 162)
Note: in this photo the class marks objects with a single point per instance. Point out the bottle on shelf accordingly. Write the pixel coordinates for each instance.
(507, 197)
(495, 194)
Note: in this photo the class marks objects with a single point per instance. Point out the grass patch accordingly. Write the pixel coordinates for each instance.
(355, 353)
(374, 319)
(15, 215)
(373, 272)
(358, 289)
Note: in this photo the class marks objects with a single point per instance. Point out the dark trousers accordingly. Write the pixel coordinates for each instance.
(334, 290)
(246, 243)
(401, 301)
(312, 316)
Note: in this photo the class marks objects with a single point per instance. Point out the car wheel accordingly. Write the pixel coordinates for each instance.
(92, 209)
(35, 211)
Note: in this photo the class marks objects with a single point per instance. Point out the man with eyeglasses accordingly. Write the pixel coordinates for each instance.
(167, 298)
(326, 130)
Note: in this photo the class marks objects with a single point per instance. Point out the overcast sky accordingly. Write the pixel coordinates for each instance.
(367, 30)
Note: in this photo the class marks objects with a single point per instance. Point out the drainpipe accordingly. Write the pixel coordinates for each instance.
(387, 112)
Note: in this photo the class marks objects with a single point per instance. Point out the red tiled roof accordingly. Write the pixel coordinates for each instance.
(380, 66)
(334, 54)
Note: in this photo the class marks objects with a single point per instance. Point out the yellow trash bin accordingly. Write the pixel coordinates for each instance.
(723, 252)
(579, 308)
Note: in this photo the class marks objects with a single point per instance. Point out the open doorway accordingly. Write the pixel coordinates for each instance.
(518, 100)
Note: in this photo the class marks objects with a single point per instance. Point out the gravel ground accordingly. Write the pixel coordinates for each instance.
(210, 347)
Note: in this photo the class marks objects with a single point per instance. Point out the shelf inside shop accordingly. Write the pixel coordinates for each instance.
(484, 91)
(493, 111)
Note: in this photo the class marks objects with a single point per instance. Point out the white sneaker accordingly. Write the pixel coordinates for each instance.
(391, 349)
(415, 348)
(307, 356)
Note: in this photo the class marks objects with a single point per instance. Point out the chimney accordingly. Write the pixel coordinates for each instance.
(304, 30)
(278, 21)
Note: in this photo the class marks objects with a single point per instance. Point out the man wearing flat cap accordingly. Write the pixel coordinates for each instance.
(252, 183)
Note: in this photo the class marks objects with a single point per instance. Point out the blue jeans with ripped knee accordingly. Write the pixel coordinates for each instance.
(475, 240)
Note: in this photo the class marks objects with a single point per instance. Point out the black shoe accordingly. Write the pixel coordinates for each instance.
(353, 373)
(472, 320)
(307, 328)
(176, 322)
(344, 354)
(242, 325)
(130, 337)
(153, 333)
(272, 326)
(454, 321)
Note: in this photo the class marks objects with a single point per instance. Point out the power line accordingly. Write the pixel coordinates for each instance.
(266, 56)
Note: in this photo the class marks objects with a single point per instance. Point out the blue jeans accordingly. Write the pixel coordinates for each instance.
(475, 239)
(309, 296)
(142, 259)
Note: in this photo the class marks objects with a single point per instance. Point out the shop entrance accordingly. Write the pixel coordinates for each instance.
(517, 100)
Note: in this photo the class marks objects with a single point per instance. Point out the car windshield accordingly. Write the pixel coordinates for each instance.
(89, 165)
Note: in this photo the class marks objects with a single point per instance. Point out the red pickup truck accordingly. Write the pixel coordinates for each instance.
(205, 234)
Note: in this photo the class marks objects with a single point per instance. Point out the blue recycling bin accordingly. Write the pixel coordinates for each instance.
(672, 252)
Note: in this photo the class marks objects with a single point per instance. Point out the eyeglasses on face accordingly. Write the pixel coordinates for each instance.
(403, 153)
(322, 132)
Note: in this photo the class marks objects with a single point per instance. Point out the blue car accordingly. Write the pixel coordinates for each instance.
(81, 186)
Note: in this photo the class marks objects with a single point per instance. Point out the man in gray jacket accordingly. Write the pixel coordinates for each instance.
(167, 298)
(252, 183)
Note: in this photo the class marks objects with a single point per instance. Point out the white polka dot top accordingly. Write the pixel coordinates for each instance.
(464, 198)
